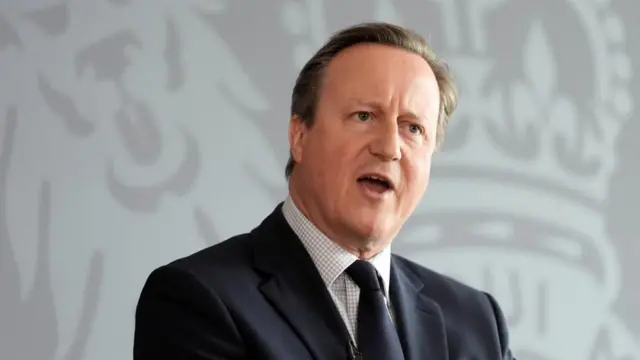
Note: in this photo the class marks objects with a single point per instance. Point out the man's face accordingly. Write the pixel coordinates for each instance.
(364, 165)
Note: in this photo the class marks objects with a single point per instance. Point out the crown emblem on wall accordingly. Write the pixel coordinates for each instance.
(519, 190)
(537, 142)
(533, 128)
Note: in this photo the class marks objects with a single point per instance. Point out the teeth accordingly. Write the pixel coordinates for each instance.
(378, 179)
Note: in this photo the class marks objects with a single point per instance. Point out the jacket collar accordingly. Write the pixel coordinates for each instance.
(419, 319)
(296, 289)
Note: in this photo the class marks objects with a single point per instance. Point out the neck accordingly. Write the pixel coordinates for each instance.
(363, 248)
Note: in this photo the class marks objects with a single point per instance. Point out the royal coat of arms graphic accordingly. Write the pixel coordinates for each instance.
(517, 200)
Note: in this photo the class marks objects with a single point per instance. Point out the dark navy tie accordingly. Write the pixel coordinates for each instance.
(376, 335)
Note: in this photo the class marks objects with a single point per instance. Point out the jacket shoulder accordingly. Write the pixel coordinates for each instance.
(216, 266)
(457, 300)
(465, 309)
(433, 278)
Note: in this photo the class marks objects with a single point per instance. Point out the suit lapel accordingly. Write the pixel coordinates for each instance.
(294, 287)
(419, 319)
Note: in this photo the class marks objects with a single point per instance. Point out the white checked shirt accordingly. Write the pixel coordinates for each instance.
(332, 261)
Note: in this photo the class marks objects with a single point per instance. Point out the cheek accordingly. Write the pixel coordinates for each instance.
(340, 155)
(331, 159)
(417, 175)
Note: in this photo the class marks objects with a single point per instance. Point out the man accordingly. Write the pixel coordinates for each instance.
(316, 279)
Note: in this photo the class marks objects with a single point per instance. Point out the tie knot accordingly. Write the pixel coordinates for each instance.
(364, 274)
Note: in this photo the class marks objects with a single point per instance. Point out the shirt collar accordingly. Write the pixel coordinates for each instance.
(330, 259)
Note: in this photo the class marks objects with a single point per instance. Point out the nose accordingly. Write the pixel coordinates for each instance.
(386, 144)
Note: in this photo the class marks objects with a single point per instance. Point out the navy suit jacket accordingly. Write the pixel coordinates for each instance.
(259, 296)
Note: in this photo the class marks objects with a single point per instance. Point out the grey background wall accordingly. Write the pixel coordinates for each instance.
(133, 132)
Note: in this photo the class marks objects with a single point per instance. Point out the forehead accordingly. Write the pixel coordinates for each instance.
(381, 71)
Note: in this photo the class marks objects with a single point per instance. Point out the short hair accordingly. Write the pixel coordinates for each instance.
(308, 85)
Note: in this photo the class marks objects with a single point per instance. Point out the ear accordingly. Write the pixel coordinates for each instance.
(297, 136)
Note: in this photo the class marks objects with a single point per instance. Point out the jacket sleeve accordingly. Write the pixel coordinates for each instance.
(179, 318)
(503, 332)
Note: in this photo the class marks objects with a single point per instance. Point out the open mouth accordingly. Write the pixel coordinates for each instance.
(376, 184)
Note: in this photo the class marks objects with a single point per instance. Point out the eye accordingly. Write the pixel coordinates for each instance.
(363, 115)
(416, 129)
